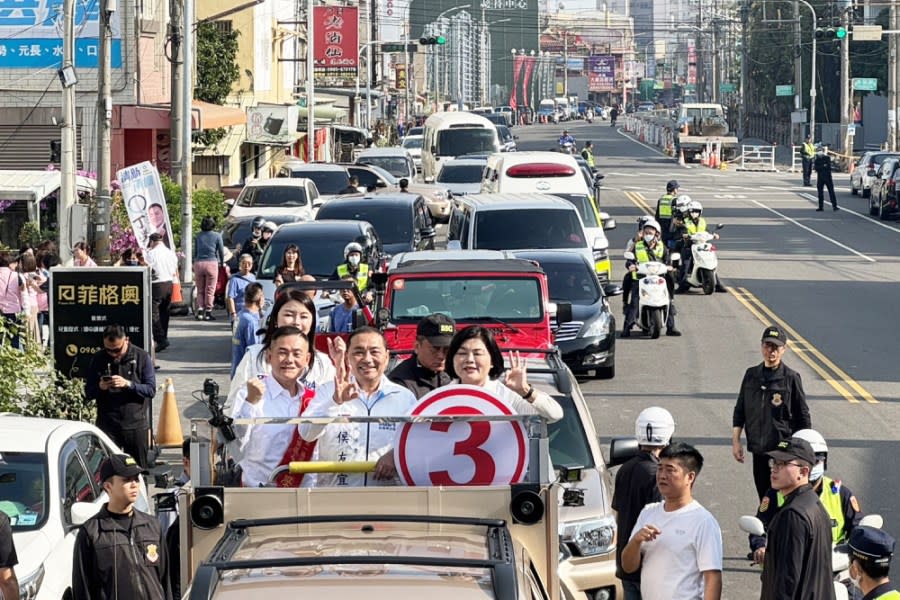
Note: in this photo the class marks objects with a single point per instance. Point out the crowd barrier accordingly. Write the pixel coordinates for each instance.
(757, 158)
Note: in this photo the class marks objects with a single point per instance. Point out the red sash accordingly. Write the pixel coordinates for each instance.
(298, 449)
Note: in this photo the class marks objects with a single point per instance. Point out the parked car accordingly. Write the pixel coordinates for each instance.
(863, 174)
(237, 230)
(462, 175)
(508, 112)
(49, 485)
(331, 179)
(588, 341)
(396, 161)
(277, 196)
(374, 178)
(507, 139)
(413, 145)
(414, 131)
(883, 196)
(403, 221)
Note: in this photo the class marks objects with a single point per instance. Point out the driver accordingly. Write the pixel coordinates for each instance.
(426, 369)
(565, 138)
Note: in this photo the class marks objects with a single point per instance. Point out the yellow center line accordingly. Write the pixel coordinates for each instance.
(837, 379)
(638, 200)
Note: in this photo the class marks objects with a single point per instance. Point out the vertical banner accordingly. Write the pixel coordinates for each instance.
(518, 60)
(146, 204)
(84, 301)
(335, 45)
(526, 79)
(602, 73)
(692, 62)
(400, 77)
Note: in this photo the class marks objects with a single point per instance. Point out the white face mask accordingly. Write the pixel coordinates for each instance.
(816, 472)
(354, 259)
(648, 239)
(856, 581)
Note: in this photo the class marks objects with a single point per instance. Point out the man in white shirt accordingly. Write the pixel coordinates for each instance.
(360, 388)
(163, 270)
(676, 543)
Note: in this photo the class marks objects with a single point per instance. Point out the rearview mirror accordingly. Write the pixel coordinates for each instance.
(601, 243)
(720, 226)
(609, 223)
(229, 201)
(563, 312)
(612, 289)
(628, 255)
(621, 450)
(82, 511)
(380, 183)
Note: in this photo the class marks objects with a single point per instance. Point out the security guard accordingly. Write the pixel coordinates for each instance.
(650, 248)
(353, 265)
(664, 210)
(119, 552)
(839, 502)
(822, 165)
(870, 562)
(587, 153)
(807, 155)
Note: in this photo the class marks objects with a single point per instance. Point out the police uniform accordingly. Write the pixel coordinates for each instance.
(642, 254)
(822, 165)
(120, 556)
(361, 274)
(874, 547)
(663, 215)
(808, 153)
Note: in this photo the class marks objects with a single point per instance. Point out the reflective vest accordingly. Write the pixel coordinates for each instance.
(831, 500)
(644, 254)
(664, 206)
(697, 227)
(809, 150)
(362, 275)
(892, 595)
(588, 157)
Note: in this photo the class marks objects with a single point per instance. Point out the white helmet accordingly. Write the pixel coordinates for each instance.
(695, 206)
(352, 247)
(642, 221)
(652, 223)
(682, 201)
(654, 427)
(815, 440)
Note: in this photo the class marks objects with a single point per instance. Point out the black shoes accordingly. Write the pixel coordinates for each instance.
(160, 346)
(835, 208)
(673, 332)
(721, 289)
(682, 289)
(626, 331)
(209, 316)
(819, 209)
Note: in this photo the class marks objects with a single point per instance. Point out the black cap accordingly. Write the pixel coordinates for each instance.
(438, 329)
(672, 185)
(794, 448)
(871, 545)
(121, 465)
(775, 335)
(155, 237)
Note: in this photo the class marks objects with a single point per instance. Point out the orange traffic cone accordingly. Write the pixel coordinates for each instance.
(168, 432)
(713, 160)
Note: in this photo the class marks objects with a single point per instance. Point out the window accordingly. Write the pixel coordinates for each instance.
(23, 489)
(78, 483)
(395, 165)
(567, 437)
(455, 142)
(327, 182)
(275, 196)
(534, 229)
(393, 223)
(460, 174)
(584, 206)
(471, 299)
(571, 282)
(92, 452)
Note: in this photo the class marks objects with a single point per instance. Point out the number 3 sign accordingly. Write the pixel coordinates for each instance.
(462, 453)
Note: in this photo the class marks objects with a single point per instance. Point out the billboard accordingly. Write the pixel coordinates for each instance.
(272, 124)
(336, 40)
(31, 34)
(602, 73)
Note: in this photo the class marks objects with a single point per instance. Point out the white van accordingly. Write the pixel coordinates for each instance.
(549, 173)
(448, 135)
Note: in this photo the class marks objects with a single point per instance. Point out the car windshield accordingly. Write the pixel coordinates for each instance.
(263, 196)
(393, 223)
(462, 140)
(415, 142)
(23, 489)
(327, 182)
(522, 229)
(395, 165)
(321, 252)
(584, 206)
(460, 174)
(471, 299)
(571, 282)
(568, 440)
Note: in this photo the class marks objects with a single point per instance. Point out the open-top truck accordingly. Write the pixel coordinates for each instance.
(700, 127)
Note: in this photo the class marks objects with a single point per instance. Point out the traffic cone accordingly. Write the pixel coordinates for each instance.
(681, 157)
(168, 432)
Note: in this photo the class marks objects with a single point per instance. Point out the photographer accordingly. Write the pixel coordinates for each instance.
(121, 380)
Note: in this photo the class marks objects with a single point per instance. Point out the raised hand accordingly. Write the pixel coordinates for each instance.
(517, 376)
(345, 390)
(337, 350)
(255, 389)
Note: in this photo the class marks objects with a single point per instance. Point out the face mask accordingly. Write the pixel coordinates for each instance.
(648, 239)
(817, 471)
(353, 260)
(856, 581)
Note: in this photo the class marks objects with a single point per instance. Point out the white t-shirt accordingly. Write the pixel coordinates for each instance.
(689, 543)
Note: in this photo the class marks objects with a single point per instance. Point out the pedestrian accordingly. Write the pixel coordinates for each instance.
(12, 301)
(871, 550)
(807, 156)
(341, 317)
(81, 255)
(209, 257)
(9, 585)
(163, 272)
(121, 380)
(291, 267)
(677, 542)
(822, 165)
(770, 407)
(797, 563)
(33, 279)
(119, 552)
(426, 369)
(48, 261)
(237, 283)
(245, 331)
(636, 485)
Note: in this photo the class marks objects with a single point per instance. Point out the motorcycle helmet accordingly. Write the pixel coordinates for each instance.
(642, 221)
(654, 427)
(350, 248)
(695, 209)
(651, 222)
(269, 226)
(256, 225)
(815, 440)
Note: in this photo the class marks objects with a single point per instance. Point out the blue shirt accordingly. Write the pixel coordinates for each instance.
(208, 246)
(243, 337)
(341, 320)
(235, 289)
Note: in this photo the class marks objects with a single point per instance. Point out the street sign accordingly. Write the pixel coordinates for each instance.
(398, 47)
(784, 90)
(851, 130)
(865, 84)
(866, 33)
(727, 88)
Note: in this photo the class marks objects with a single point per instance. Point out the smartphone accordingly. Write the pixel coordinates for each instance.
(106, 378)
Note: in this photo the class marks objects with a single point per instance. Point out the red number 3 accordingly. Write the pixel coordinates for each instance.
(479, 432)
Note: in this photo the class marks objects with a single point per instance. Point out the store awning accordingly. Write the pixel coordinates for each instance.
(203, 116)
(36, 185)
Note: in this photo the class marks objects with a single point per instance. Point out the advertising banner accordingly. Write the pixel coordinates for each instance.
(272, 124)
(518, 62)
(336, 39)
(85, 300)
(146, 204)
(526, 79)
(400, 77)
(602, 73)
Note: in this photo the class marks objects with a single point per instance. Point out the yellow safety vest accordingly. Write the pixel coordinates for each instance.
(362, 276)
(892, 595)
(588, 157)
(664, 206)
(697, 227)
(831, 500)
(809, 150)
(644, 254)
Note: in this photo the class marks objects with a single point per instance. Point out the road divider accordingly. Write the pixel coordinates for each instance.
(833, 375)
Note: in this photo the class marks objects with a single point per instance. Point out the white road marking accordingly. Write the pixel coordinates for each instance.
(814, 232)
(869, 218)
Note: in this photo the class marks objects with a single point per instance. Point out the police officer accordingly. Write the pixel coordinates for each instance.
(587, 153)
(839, 502)
(353, 265)
(822, 165)
(426, 369)
(807, 155)
(119, 552)
(664, 210)
(636, 485)
(628, 279)
(691, 222)
(797, 563)
(650, 248)
(870, 562)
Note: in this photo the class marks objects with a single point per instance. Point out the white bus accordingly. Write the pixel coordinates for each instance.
(452, 134)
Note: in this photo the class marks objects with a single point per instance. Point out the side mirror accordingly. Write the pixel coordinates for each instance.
(628, 255)
(379, 280)
(434, 150)
(621, 450)
(361, 189)
(229, 201)
(563, 312)
(612, 289)
(720, 226)
(871, 173)
(380, 183)
(82, 511)
(839, 561)
(359, 319)
(318, 202)
(601, 243)
(608, 223)
(751, 525)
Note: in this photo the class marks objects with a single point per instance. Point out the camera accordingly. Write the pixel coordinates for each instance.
(210, 387)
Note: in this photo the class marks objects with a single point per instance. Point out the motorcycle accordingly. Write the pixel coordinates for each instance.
(840, 559)
(589, 117)
(653, 296)
(567, 148)
(704, 261)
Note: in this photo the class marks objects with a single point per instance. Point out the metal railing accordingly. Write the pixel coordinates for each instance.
(757, 158)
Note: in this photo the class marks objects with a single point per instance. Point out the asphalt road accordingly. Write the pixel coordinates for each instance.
(831, 279)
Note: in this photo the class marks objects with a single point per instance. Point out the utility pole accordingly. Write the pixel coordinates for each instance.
(566, 63)
(176, 104)
(715, 62)
(846, 147)
(67, 190)
(104, 119)
(745, 67)
(798, 73)
(310, 82)
(187, 155)
(893, 79)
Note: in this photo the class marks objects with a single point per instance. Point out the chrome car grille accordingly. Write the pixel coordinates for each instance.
(566, 332)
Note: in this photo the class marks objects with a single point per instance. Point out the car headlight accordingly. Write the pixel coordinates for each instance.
(599, 327)
(30, 585)
(439, 195)
(600, 255)
(592, 537)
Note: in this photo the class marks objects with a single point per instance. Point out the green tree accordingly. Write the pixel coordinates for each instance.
(217, 72)
(204, 202)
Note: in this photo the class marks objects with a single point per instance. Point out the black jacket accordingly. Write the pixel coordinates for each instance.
(635, 488)
(120, 558)
(822, 164)
(798, 556)
(124, 409)
(770, 407)
(416, 378)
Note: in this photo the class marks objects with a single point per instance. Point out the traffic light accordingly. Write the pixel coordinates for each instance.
(433, 40)
(55, 151)
(840, 33)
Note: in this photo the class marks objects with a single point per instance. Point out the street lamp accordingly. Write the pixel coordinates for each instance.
(486, 55)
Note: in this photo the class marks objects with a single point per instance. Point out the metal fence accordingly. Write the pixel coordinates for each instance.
(757, 158)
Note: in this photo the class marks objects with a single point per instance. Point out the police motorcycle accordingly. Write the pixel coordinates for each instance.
(840, 559)
(704, 261)
(566, 143)
(653, 295)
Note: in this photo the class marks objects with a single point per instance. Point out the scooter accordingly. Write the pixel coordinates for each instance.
(589, 117)
(653, 296)
(567, 148)
(704, 261)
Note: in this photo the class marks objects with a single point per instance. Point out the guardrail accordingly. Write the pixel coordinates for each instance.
(757, 158)
(796, 159)
(652, 128)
